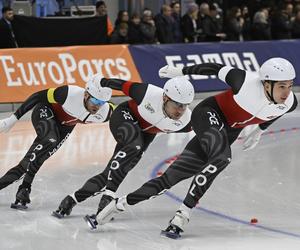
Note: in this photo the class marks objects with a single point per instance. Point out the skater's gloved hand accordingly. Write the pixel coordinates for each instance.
(170, 72)
(104, 82)
(97, 79)
(252, 137)
(7, 123)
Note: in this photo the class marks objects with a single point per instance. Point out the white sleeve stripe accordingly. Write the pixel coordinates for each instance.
(223, 72)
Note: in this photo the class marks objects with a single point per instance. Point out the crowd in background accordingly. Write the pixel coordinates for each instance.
(202, 22)
(207, 22)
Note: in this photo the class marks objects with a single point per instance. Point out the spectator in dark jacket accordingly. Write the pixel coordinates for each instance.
(211, 27)
(296, 26)
(7, 36)
(234, 24)
(261, 26)
(120, 35)
(191, 25)
(178, 38)
(281, 23)
(134, 30)
(247, 27)
(147, 28)
(164, 25)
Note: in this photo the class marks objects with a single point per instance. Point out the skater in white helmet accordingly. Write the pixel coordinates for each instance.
(134, 124)
(256, 99)
(56, 111)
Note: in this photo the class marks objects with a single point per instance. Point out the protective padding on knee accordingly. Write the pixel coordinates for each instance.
(129, 134)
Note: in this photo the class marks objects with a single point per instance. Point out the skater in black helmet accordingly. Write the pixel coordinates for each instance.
(56, 111)
(134, 124)
(256, 99)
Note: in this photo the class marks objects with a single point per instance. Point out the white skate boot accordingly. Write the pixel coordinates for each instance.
(176, 225)
(107, 213)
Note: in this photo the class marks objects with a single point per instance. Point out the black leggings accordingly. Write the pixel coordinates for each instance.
(204, 157)
(50, 136)
(131, 143)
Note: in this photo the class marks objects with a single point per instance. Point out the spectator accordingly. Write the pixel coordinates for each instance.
(178, 38)
(203, 11)
(247, 27)
(164, 25)
(191, 25)
(147, 27)
(8, 39)
(120, 35)
(261, 26)
(122, 17)
(234, 24)
(296, 26)
(211, 27)
(101, 10)
(134, 31)
(281, 24)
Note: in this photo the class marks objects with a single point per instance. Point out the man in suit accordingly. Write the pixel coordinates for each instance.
(7, 35)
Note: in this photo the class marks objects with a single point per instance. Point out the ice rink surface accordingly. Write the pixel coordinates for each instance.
(263, 183)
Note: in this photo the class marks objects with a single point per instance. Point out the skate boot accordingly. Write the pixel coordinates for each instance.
(22, 198)
(65, 207)
(108, 206)
(91, 220)
(176, 225)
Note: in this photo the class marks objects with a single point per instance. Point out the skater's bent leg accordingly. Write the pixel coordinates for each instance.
(203, 180)
(186, 165)
(93, 186)
(131, 141)
(12, 175)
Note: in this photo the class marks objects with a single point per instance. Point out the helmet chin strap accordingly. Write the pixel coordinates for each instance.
(270, 95)
(85, 103)
(164, 109)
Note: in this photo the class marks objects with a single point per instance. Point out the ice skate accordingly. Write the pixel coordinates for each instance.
(108, 212)
(22, 198)
(91, 221)
(65, 207)
(176, 225)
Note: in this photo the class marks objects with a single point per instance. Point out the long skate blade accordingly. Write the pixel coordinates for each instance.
(18, 206)
(107, 214)
(170, 235)
(91, 222)
(57, 215)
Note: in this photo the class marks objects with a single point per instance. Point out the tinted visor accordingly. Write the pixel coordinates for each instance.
(96, 101)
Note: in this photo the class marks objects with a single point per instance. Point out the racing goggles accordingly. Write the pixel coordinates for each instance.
(96, 101)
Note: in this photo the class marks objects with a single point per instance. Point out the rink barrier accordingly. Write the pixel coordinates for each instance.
(24, 71)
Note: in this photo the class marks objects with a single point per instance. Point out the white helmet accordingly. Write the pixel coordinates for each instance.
(94, 88)
(180, 90)
(277, 69)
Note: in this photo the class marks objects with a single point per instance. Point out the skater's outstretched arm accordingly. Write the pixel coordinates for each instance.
(52, 95)
(132, 89)
(232, 76)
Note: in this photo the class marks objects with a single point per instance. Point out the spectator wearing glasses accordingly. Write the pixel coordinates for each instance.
(56, 111)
